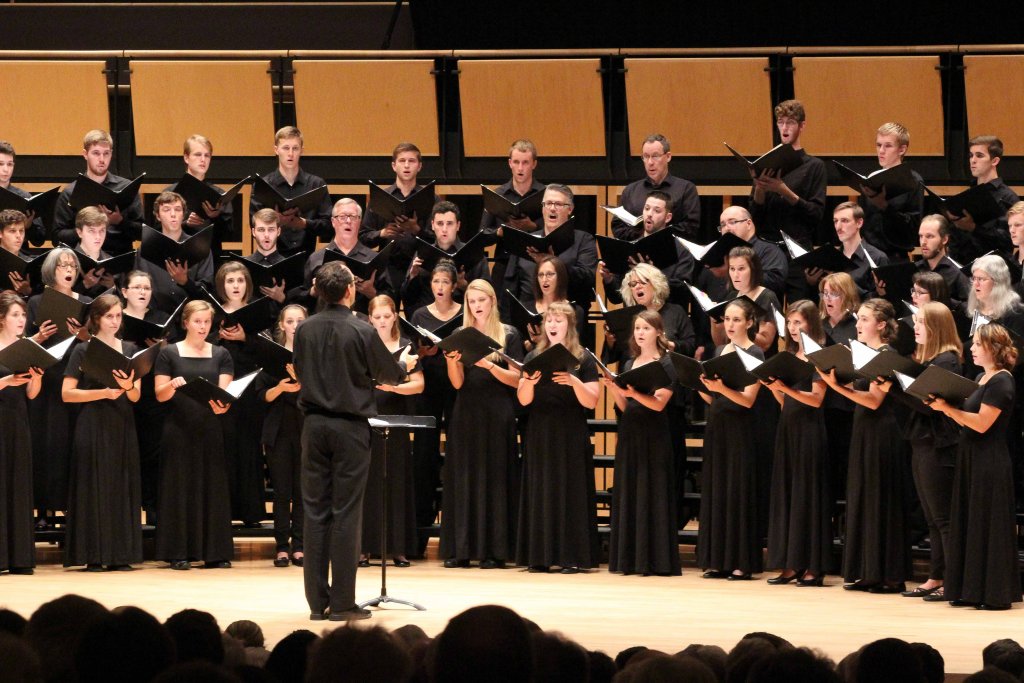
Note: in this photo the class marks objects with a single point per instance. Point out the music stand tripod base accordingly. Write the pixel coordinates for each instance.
(383, 424)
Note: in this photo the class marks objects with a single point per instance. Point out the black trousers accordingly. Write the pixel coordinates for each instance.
(933, 476)
(285, 459)
(335, 463)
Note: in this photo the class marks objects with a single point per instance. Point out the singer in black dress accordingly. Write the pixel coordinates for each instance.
(557, 525)
(104, 528)
(981, 560)
(17, 540)
(481, 461)
(193, 502)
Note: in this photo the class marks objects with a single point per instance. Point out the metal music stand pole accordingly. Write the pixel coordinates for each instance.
(383, 424)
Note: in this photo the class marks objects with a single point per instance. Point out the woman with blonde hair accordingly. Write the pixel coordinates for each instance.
(481, 468)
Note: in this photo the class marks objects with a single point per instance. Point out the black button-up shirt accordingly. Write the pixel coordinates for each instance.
(685, 205)
(318, 221)
(119, 237)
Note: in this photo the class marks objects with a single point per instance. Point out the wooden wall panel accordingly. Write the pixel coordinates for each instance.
(995, 98)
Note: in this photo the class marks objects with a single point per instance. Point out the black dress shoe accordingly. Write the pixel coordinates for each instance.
(318, 616)
(297, 561)
(281, 561)
(351, 614)
(94, 567)
(715, 574)
(816, 581)
(492, 563)
(865, 586)
(994, 607)
(888, 588)
(364, 562)
(222, 564)
(741, 577)
(962, 603)
(402, 563)
(181, 565)
(570, 570)
(782, 579)
(453, 563)
(538, 569)
(120, 568)
(920, 592)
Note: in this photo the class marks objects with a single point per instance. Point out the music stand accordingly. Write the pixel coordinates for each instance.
(383, 424)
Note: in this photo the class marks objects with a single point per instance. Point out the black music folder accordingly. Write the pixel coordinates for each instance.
(389, 207)
(780, 158)
(553, 359)
(619, 321)
(783, 366)
(713, 255)
(936, 381)
(883, 363)
(27, 353)
(203, 390)
(21, 264)
(100, 361)
(88, 192)
(522, 317)
(271, 356)
(424, 337)
(467, 256)
(558, 240)
(253, 316)
(978, 200)
(270, 198)
(688, 371)
(112, 265)
(729, 368)
(138, 331)
(505, 209)
(659, 247)
(835, 357)
(157, 248)
(289, 271)
(57, 308)
(196, 191)
(363, 270)
(471, 343)
(896, 180)
(42, 204)
(826, 257)
(898, 277)
(646, 379)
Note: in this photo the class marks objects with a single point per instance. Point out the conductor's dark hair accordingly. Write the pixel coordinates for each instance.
(445, 206)
(333, 281)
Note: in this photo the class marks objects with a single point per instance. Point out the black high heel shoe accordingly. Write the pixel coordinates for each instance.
(816, 581)
(782, 579)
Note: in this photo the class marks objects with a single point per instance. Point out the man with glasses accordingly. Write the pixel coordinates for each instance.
(298, 232)
(934, 234)
(346, 216)
(580, 259)
(656, 155)
(737, 220)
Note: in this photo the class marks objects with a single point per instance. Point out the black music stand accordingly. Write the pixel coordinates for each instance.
(383, 424)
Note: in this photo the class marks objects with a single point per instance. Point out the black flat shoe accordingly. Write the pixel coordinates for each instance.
(993, 607)
(222, 564)
(365, 562)
(298, 560)
(864, 586)
(570, 570)
(181, 565)
(492, 564)
(782, 580)
(962, 603)
(920, 592)
(120, 568)
(740, 577)
(402, 563)
(817, 581)
(350, 614)
(94, 567)
(538, 569)
(938, 595)
(714, 574)
(453, 564)
(281, 560)
(888, 589)
(318, 616)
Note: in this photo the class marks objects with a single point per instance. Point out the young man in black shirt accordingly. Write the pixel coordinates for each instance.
(36, 231)
(971, 240)
(890, 223)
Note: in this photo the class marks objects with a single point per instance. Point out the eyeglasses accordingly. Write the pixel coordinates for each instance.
(978, 279)
(72, 266)
(914, 291)
(545, 276)
(637, 283)
(652, 157)
(140, 288)
(731, 223)
(555, 205)
(345, 216)
(831, 296)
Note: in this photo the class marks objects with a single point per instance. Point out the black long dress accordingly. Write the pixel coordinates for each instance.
(401, 493)
(193, 502)
(106, 490)
(481, 466)
(730, 518)
(281, 438)
(557, 514)
(981, 560)
(17, 539)
(878, 496)
(243, 426)
(799, 522)
(150, 414)
(644, 538)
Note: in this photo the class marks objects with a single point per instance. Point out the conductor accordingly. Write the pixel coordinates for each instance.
(338, 361)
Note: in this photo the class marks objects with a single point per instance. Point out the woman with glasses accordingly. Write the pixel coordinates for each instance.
(550, 285)
(53, 421)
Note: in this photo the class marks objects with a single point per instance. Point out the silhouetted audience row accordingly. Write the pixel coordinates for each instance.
(76, 639)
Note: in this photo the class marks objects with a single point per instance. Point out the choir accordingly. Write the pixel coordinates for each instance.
(185, 439)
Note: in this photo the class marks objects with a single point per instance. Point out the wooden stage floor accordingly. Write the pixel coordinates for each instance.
(600, 610)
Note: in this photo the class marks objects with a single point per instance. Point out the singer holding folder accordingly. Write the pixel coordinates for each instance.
(104, 529)
(17, 550)
(193, 502)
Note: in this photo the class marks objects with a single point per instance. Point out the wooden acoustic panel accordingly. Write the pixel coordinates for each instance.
(848, 98)
(230, 102)
(556, 103)
(700, 103)
(337, 117)
(51, 105)
(995, 98)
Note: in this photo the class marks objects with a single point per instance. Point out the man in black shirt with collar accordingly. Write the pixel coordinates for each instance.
(407, 163)
(36, 232)
(656, 154)
(522, 161)
(890, 223)
(123, 228)
(198, 154)
(971, 240)
(848, 219)
(265, 234)
(346, 216)
(339, 359)
(298, 232)
(794, 203)
(934, 235)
